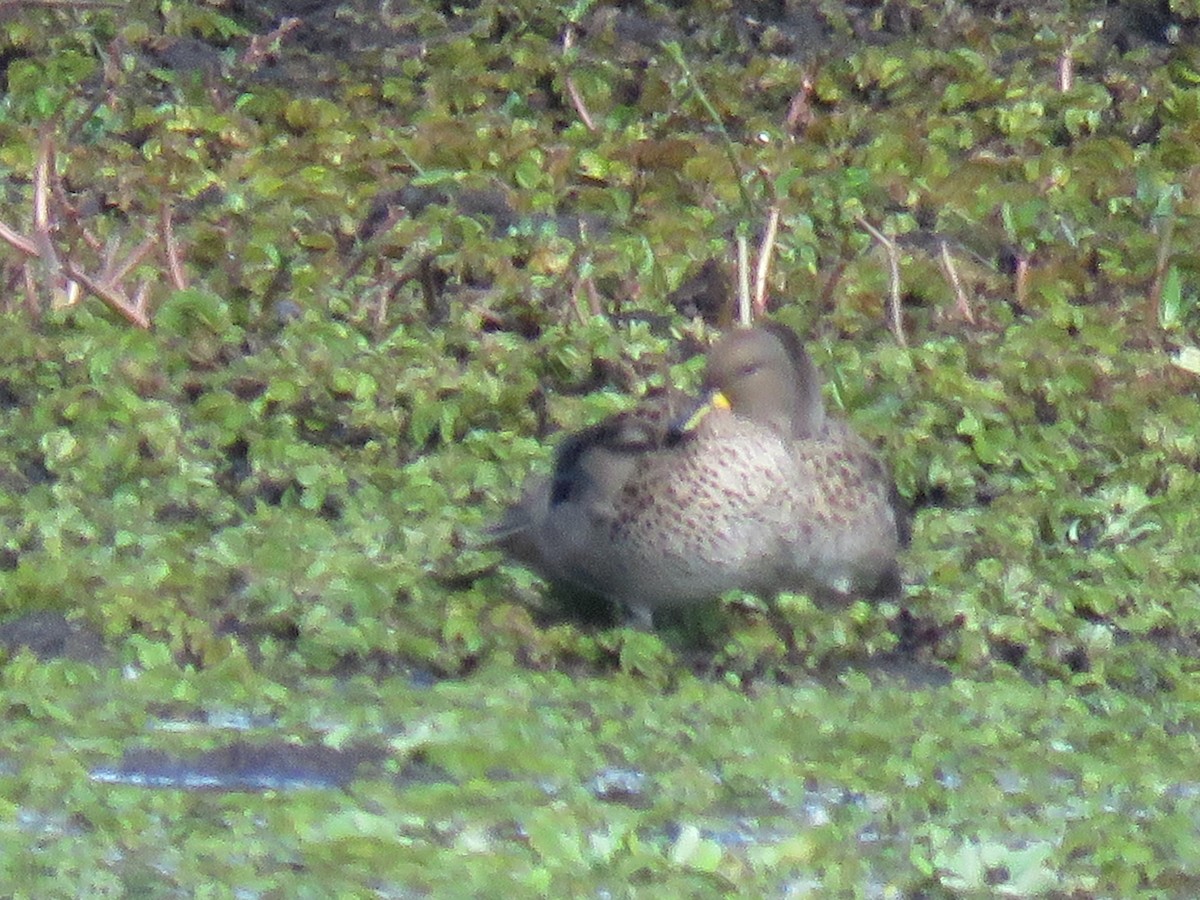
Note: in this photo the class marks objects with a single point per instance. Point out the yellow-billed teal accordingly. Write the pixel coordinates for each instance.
(759, 489)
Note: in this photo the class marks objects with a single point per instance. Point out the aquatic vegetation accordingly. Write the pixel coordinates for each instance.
(292, 308)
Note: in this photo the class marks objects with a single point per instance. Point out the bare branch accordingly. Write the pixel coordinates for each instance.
(1066, 70)
(745, 318)
(1022, 280)
(68, 212)
(140, 298)
(1162, 265)
(166, 232)
(114, 271)
(49, 270)
(595, 306)
(893, 255)
(572, 91)
(41, 184)
(112, 298)
(960, 296)
(18, 240)
(266, 46)
(765, 251)
(800, 112)
(31, 303)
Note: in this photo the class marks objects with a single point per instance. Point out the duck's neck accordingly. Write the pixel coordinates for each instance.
(807, 414)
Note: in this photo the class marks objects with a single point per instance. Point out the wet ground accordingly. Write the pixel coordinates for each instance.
(150, 775)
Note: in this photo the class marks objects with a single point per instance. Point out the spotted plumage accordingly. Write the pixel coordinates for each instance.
(759, 490)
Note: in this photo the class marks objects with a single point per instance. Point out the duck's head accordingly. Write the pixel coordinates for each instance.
(763, 374)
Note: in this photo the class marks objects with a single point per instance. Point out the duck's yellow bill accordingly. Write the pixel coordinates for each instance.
(716, 400)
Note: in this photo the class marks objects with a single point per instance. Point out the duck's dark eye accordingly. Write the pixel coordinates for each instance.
(747, 369)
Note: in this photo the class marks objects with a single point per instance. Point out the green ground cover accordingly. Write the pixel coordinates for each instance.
(391, 250)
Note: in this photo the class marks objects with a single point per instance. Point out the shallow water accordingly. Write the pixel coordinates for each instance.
(159, 779)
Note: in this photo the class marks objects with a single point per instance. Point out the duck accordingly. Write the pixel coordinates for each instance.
(754, 486)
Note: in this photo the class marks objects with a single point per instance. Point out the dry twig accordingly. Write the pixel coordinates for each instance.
(166, 233)
(1162, 266)
(960, 296)
(1022, 279)
(266, 46)
(893, 255)
(800, 112)
(765, 251)
(1066, 70)
(62, 275)
(572, 90)
(743, 259)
